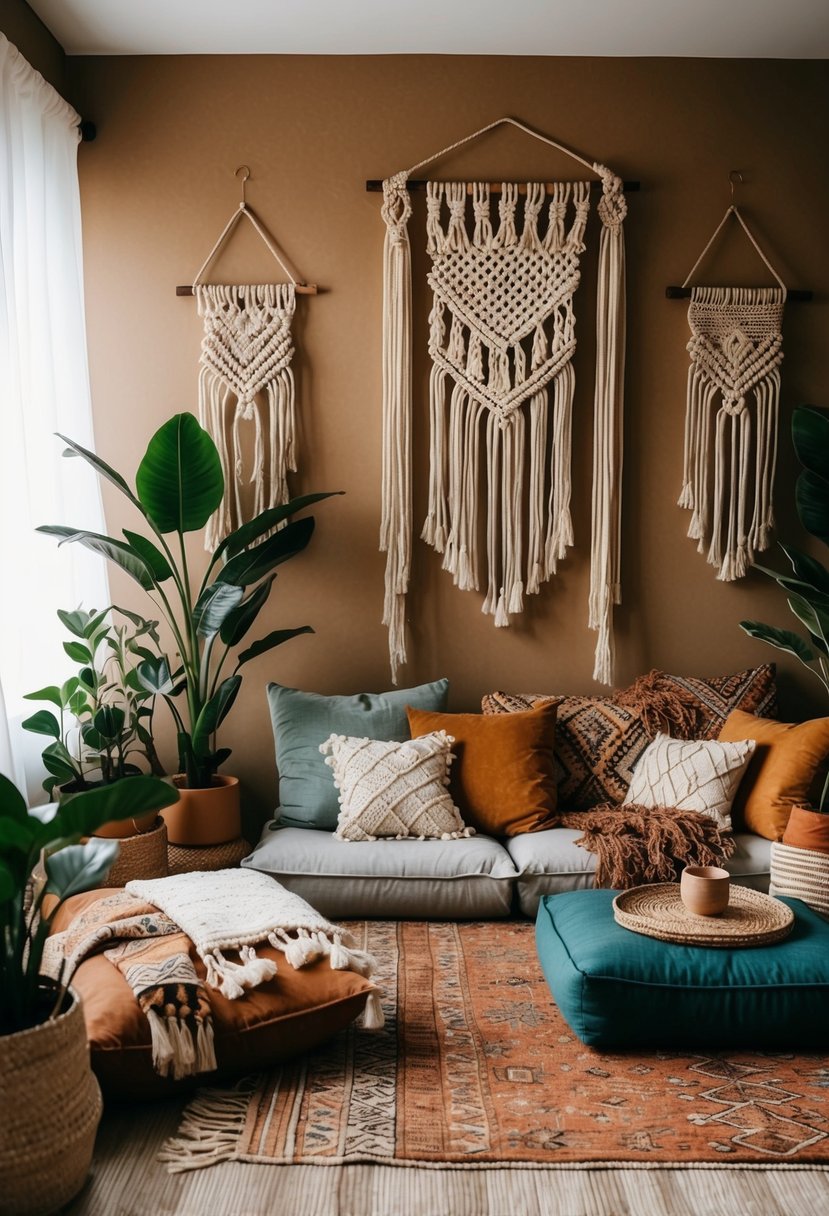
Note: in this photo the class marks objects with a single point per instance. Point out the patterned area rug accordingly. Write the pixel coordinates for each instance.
(477, 1068)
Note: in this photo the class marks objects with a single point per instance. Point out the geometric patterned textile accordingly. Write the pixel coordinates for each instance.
(754, 691)
(246, 376)
(691, 776)
(394, 790)
(599, 742)
(597, 745)
(736, 350)
(476, 1066)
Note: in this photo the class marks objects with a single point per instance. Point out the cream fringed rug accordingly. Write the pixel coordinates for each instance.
(476, 1069)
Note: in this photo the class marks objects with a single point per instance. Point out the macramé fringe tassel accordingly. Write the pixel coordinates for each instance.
(176, 1051)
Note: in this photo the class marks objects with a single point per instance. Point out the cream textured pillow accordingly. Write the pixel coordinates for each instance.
(394, 789)
(690, 775)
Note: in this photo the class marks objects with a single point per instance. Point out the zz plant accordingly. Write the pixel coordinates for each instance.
(26, 999)
(178, 486)
(807, 586)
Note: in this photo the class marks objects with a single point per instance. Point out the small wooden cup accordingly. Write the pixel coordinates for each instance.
(704, 890)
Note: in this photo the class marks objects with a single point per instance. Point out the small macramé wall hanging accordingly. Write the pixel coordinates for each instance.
(245, 376)
(501, 341)
(732, 408)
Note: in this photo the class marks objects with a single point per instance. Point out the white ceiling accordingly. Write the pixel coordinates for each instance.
(775, 29)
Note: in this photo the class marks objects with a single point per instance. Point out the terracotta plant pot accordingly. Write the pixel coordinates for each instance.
(201, 817)
(120, 829)
(50, 1107)
(807, 829)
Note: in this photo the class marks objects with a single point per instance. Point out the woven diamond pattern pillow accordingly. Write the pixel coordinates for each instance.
(394, 790)
(691, 775)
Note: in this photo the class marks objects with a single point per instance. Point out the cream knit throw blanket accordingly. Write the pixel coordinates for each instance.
(234, 910)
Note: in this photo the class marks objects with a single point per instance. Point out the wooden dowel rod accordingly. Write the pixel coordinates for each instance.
(374, 185)
(302, 289)
(684, 293)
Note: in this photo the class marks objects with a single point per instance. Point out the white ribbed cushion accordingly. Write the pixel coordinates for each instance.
(394, 789)
(690, 775)
(801, 874)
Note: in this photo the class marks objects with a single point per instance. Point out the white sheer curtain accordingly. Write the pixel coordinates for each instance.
(44, 388)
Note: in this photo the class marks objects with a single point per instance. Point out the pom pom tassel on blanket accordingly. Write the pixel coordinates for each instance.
(227, 910)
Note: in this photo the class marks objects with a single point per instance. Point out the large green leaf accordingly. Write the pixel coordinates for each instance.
(77, 652)
(8, 886)
(250, 565)
(782, 639)
(50, 693)
(239, 621)
(812, 499)
(214, 713)
(806, 569)
(79, 867)
(814, 617)
(268, 643)
(16, 834)
(12, 802)
(236, 541)
(154, 559)
(82, 814)
(57, 761)
(180, 480)
(213, 607)
(43, 722)
(810, 434)
(109, 722)
(101, 467)
(107, 546)
(154, 676)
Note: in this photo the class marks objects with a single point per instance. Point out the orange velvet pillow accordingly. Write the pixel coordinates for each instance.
(503, 778)
(788, 767)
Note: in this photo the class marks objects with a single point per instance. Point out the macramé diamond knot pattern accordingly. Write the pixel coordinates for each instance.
(245, 376)
(736, 349)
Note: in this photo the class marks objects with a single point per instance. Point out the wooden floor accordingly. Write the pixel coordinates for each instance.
(127, 1180)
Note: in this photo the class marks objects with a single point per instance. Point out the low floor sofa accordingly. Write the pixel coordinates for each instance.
(598, 742)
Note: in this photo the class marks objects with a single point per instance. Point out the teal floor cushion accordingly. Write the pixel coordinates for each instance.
(616, 988)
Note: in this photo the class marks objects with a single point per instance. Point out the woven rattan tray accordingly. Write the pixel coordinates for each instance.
(751, 918)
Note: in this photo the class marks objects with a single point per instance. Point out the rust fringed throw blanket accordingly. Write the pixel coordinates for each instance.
(638, 844)
(153, 955)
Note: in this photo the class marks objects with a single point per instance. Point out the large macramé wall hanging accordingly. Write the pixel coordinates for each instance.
(501, 341)
(731, 417)
(245, 376)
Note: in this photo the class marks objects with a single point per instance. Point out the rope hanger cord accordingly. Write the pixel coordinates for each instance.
(244, 210)
(733, 210)
(499, 122)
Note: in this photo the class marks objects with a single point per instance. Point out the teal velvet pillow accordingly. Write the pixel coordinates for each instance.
(303, 720)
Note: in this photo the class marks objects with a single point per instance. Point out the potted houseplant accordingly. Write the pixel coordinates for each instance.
(807, 589)
(179, 484)
(50, 1103)
(103, 723)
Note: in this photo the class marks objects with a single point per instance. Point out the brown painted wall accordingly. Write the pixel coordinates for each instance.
(158, 185)
(24, 28)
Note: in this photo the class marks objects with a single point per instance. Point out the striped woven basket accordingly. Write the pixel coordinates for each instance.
(801, 874)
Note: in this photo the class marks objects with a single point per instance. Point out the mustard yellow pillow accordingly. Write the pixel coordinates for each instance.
(503, 779)
(788, 767)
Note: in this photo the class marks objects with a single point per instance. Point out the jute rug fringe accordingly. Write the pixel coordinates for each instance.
(209, 1130)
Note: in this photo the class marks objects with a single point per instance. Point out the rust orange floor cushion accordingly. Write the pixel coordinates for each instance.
(280, 1019)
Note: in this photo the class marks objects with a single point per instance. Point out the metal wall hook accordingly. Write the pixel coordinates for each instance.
(734, 176)
(246, 171)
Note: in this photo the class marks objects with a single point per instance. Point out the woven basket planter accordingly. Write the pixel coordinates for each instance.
(801, 874)
(50, 1107)
(140, 856)
(182, 859)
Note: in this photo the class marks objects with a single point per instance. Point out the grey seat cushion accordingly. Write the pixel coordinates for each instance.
(550, 862)
(431, 879)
